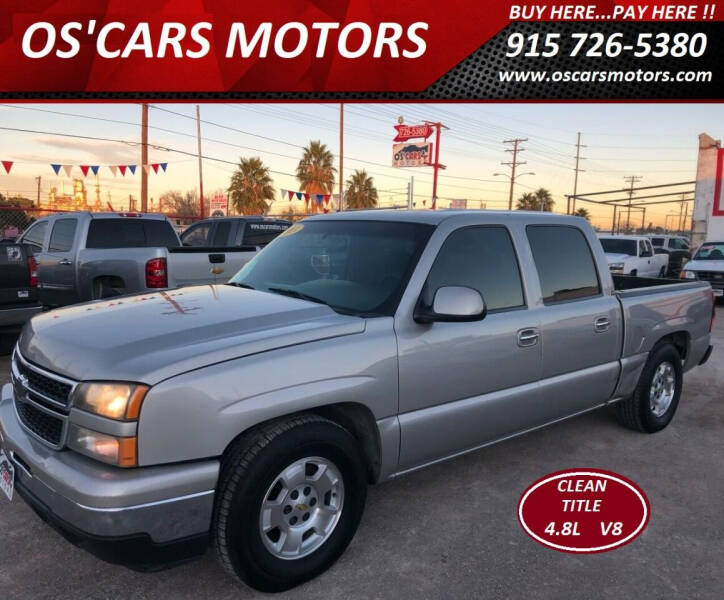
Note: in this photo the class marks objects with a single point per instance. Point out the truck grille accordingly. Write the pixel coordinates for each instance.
(42, 400)
(716, 277)
(42, 424)
(48, 387)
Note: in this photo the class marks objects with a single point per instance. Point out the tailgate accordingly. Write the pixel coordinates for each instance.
(15, 275)
(203, 265)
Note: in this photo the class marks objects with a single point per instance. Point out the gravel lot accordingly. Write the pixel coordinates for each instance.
(451, 531)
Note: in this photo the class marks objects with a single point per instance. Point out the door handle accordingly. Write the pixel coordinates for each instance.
(528, 337)
(65, 262)
(215, 259)
(602, 324)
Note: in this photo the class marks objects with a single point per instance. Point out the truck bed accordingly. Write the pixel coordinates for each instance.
(630, 285)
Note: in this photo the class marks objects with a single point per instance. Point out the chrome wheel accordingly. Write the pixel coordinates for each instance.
(663, 388)
(301, 508)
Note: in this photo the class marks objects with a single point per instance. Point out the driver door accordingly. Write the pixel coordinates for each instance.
(463, 384)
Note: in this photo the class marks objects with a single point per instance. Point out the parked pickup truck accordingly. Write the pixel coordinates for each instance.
(633, 255)
(85, 256)
(18, 291)
(708, 265)
(677, 247)
(355, 348)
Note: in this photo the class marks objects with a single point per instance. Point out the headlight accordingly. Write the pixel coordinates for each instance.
(119, 401)
(688, 275)
(616, 266)
(119, 451)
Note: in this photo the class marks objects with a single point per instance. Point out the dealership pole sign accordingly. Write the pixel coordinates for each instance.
(219, 205)
(412, 154)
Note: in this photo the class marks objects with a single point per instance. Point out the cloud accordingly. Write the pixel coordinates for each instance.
(98, 152)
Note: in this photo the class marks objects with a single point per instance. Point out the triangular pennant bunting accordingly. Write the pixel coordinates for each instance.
(163, 166)
(320, 198)
(67, 169)
(56, 168)
(290, 193)
(154, 166)
(132, 169)
(114, 169)
(122, 169)
(146, 168)
(326, 199)
(299, 195)
(8, 164)
(94, 168)
(84, 168)
(283, 192)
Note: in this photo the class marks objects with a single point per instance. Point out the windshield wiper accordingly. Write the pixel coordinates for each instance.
(295, 294)
(246, 286)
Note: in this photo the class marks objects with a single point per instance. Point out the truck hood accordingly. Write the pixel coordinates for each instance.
(150, 337)
(614, 258)
(705, 265)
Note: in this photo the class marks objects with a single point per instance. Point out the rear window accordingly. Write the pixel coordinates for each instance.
(127, 233)
(564, 263)
(619, 246)
(657, 241)
(35, 235)
(260, 234)
(221, 235)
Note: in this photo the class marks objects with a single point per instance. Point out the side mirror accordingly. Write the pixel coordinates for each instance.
(452, 304)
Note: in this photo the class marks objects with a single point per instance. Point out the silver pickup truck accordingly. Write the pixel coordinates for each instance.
(355, 348)
(88, 256)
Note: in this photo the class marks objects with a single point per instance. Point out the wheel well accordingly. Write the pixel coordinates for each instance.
(680, 340)
(355, 418)
(112, 281)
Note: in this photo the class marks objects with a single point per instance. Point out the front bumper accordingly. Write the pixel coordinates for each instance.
(145, 518)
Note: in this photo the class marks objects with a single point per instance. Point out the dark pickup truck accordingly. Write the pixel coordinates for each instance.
(18, 291)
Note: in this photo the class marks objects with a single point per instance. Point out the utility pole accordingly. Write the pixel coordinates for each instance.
(144, 157)
(201, 175)
(632, 179)
(572, 205)
(341, 155)
(681, 212)
(38, 178)
(513, 164)
(686, 215)
(411, 193)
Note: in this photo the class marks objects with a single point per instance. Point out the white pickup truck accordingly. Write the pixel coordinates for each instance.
(633, 255)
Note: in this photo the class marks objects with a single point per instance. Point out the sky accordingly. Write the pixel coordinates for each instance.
(657, 142)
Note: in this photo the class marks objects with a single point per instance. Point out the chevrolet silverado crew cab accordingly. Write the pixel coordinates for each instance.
(633, 255)
(85, 256)
(354, 348)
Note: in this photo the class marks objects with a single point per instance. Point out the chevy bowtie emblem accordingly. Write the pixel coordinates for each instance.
(301, 507)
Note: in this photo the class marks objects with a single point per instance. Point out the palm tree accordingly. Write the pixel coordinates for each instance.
(539, 200)
(583, 212)
(361, 191)
(315, 170)
(251, 191)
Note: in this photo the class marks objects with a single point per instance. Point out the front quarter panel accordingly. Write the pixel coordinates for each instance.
(197, 414)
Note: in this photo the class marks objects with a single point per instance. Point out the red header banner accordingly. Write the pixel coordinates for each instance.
(285, 46)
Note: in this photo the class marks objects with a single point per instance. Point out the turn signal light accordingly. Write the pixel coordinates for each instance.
(156, 273)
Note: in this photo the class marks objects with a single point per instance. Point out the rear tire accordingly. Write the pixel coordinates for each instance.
(662, 272)
(654, 402)
(634, 272)
(273, 549)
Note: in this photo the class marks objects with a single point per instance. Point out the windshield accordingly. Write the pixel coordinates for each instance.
(710, 251)
(619, 246)
(356, 267)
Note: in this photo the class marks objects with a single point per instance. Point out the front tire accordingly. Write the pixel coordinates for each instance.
(654, 402)
(290, 498)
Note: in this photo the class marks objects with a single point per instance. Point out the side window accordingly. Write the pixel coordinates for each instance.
(196, 235)
(35, 235)
(644, 249)
(221, 235)
(678, 244)
(61, 238)
(564, 262)
(159, 233)
(482, 258)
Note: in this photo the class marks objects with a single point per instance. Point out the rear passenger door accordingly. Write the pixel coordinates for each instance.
(580, 324)
(58, 269)
(464, 384)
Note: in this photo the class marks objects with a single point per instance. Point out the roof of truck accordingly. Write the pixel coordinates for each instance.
(434, 217)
